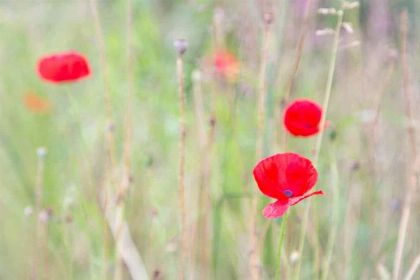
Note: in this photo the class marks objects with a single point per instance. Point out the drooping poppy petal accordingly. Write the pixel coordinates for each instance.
(286, 177)
(63, 67)
(302, 118)
(276, 209)
(36, 103)
(296, 200)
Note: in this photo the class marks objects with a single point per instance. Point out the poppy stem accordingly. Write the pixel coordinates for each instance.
(325, 104)
(281, 242)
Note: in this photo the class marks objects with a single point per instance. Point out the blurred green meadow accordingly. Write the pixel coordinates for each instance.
(57, 209)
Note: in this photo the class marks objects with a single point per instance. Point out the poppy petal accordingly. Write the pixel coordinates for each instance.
(301, 176)
(270, 175)
(63, 67)
(302, 117)
(276, 209)
(285, 175)
(296, 200)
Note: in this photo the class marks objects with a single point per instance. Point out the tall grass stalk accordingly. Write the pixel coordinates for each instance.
(181, 46)
(254, 257)
(413, 268)
(40, 259)
(109, 130)
(325, 104)
(298, 51)
(412, 179)
(204, 205)
(128, 127)
(334, 219)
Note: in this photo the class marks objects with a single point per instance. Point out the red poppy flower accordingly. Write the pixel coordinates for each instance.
(36, 104)
(226, 64)
(63, 67)
(287, 178)
(302, 117)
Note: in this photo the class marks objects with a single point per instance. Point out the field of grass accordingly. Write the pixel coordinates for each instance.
(92, 184)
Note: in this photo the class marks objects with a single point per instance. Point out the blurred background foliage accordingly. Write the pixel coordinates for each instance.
(363, 165)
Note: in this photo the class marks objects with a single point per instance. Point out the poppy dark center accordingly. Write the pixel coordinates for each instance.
(288, 193)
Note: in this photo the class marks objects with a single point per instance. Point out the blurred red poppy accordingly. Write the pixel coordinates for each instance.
(302, 117)
(226, 64)
(287, 178)
(36, 104)
(63, 67)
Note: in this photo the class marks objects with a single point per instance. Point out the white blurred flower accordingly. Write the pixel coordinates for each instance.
(294, 256)
(41, 151)
(28, 211)
(327, 11)
(323, 32)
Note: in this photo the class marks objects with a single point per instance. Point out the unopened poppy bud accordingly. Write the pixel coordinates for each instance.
(111, 127)
(45, 215)
(157, 275)
(212, 121)
(355, 166)
(268, 18)
(181, 46)
(219, 14)
(68, 219)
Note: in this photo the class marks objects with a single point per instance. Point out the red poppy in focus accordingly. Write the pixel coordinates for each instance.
(36, 104)
(287, 178)
(302, 117)
(63, 67)
(226, 64)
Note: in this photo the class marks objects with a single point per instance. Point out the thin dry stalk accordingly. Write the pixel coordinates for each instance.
(218, 30)
(109, 131)
(206, 140)
(413, 268)
(299, 51)
(328, 90)
(40, 257)
(290, 83)
(107, 95)
(411, 134)
(325, 104)
(128, 128)
(254, 255)
(126, 246)
(181, 47)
